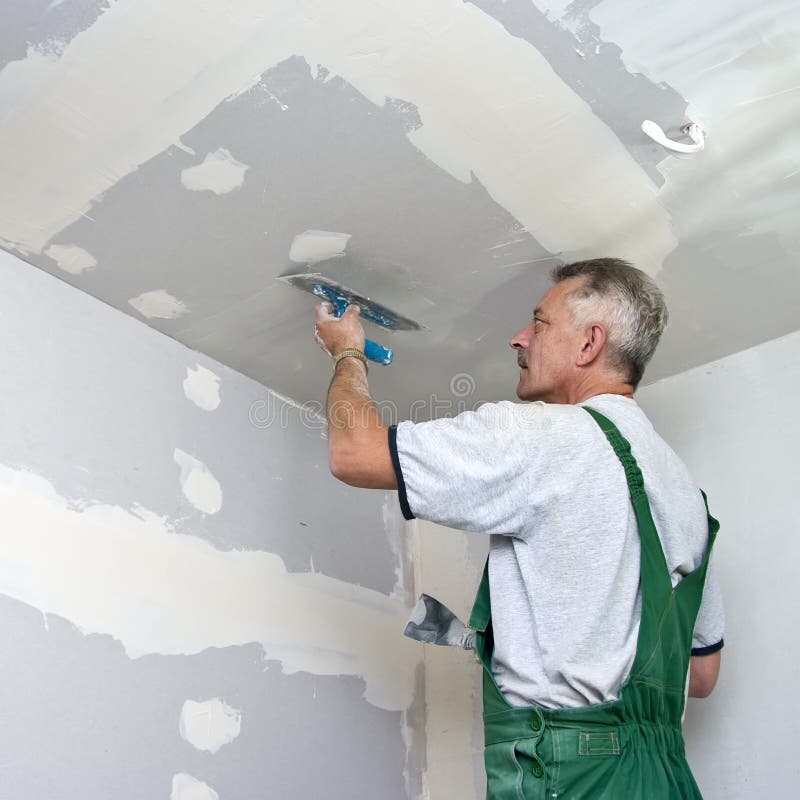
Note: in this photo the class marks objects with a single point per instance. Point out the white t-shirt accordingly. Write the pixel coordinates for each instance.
(564, 557)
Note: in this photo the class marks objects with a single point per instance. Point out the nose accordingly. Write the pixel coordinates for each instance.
(519, 341)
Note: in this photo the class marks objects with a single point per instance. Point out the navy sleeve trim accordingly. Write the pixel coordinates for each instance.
(401, 484)
(707, 651)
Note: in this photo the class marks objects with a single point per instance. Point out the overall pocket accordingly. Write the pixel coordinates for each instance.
(503, 772)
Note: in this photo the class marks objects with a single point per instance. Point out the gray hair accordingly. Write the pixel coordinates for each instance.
(628, 304)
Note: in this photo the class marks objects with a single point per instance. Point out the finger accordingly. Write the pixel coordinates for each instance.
(353, 310)
(321, 343)
(324, 312)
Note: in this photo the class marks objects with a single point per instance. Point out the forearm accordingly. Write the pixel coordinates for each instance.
(354, 427)
(703, 674)
(358, 444)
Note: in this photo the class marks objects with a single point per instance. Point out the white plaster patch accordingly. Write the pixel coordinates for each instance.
(158, 303)
(220, 173)
(186, 787)
(210, 724)
(71, 258)
(199, 486)
(312, 246)
(127, 574)
(185, 147)
(201, 386)
(544, 168)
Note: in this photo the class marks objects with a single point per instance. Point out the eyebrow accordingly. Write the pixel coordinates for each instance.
(538, 311)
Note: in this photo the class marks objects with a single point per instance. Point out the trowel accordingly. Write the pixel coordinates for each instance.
(340, 297)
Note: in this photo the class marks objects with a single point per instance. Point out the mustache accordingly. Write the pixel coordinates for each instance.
(522, 362)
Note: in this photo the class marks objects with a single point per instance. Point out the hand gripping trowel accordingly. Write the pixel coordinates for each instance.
(340, 297)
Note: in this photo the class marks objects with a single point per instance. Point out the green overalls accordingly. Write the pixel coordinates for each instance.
(627, 749)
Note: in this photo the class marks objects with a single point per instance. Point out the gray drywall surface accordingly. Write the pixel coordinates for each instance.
(319, 155)
(94, 409)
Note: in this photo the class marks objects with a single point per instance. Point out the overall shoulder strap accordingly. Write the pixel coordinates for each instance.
(655, 573)
(482, 608)
(623, 450)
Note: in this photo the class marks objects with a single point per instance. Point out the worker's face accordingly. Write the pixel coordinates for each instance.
(548, 346)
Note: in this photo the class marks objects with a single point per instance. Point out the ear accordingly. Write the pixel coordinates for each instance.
(594, 337)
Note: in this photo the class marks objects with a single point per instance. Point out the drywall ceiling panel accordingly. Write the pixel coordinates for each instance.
(174, 160)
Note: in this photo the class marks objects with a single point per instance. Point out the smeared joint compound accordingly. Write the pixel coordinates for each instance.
(201, 386)
(220, 173)
(199, 486)
(71, 258)
(210, 724)
(312, 246)
(185, 787)
(158, 303)
(423, 53)
(128, 574)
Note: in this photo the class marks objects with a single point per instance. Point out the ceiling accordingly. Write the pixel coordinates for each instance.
(172, 159)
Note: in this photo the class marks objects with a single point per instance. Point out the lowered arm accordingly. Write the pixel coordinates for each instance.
(703, 674)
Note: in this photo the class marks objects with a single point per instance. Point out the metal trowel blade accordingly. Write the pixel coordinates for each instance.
(326, 289)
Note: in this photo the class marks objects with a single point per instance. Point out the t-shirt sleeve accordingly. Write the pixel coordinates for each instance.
(468, 472)
(710, 625)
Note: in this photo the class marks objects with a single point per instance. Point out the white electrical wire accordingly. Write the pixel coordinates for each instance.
(691, 129)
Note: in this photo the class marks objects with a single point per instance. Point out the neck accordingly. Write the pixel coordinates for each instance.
(583, 390)
(578, 394)
(626, 391)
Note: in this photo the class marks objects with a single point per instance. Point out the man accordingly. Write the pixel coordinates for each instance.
(587, 617)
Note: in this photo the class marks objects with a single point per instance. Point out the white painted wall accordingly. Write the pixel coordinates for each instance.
(735, 422)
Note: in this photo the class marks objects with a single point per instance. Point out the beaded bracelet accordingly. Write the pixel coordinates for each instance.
(350, 352)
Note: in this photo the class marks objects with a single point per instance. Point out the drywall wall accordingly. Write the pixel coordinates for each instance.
(448, 566)
(192, 607)
(735, 423)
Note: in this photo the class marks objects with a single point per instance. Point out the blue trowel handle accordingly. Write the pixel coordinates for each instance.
(377, 352)
(372, 350)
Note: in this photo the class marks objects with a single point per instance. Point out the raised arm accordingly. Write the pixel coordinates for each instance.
(358, 443)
